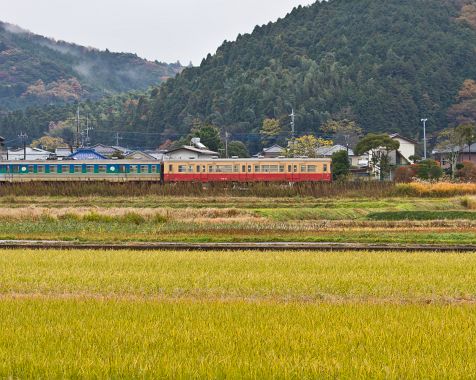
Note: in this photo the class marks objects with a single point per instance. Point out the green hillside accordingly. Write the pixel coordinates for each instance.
(35, 70)
(383, 63)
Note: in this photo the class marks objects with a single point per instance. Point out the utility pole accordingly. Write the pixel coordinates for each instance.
(23, 137)
(293, 128)
(88, 128)
(424, 137)
(118, 138)
(293, 124)
(77, 129)
(226, 144)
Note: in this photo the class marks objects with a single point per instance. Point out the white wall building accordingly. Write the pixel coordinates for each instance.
(32, 154)
(190, 153)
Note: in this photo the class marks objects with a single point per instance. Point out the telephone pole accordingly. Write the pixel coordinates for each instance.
(226, 144)
(424, 137)
(87, 130)
(293, 124)
(118, 138)
(77, 129)
(23, 136)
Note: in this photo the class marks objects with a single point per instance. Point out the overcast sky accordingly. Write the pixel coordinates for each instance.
(166, 30)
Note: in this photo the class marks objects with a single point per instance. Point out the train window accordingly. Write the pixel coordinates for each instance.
(269, 168)
(41, 168)
(311, 168)
(243, 168)
(198, 168)
(303, 168)
(295, 168)
(257, 169)
(144, 169)
(289, 169)
(182, 169)
(31, 168)
(325, 168)
(102, 169)
(249, 168)
(223, 168)
(190, 168)
(281, 168)
(53, 169)
(133, 169)
(171, 168)
(90, 168)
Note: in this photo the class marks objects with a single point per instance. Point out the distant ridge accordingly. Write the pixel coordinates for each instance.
(35, 70)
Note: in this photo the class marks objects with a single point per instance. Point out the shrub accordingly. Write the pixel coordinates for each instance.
(98, 218)
(429, 170)
(467, 172)
(133, 218)
(159, 219)
(340, 164)
(469, 203)
(405, 174)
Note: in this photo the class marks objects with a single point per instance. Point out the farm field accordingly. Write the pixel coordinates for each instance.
(239, 219)
(236, 314)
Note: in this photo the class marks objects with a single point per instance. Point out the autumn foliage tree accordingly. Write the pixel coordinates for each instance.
(307, 146)
(270, 130)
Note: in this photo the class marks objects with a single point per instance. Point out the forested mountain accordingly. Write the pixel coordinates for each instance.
(35, 70)
(383, 63)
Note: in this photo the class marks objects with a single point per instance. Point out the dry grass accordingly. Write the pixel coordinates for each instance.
(439, 189)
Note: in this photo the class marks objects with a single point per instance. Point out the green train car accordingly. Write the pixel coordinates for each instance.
(107, 170)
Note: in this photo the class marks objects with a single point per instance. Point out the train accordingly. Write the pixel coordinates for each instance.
(170, 171)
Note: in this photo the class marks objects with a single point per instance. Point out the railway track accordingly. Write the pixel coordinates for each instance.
(271, 246)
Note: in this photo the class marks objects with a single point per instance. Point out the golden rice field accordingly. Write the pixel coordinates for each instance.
(84, 314)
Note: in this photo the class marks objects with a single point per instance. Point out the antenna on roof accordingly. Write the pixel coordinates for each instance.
(196, 142)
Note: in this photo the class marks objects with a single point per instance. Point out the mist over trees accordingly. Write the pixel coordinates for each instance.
(377, 65)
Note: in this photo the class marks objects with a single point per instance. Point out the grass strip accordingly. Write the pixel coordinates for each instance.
(422, 215)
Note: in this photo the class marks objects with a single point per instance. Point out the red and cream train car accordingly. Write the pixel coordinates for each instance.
(248, 170)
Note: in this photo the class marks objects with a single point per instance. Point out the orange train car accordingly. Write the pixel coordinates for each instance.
(248, 170)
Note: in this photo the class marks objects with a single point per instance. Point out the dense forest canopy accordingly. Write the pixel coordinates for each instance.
(35, 70)
(384, 64)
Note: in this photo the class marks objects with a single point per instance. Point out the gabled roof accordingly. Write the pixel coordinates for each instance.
(121, 149)
(86, 154)
(464, 149)
(144, 155)
(330, 150)
(274, 149)
(193, 149)
(105, 149)
(399, 136)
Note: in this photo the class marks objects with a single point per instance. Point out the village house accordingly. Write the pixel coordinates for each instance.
(273, 151)
(139, 156)
(28, 154)
(355, 161)
(467, 153)
(86, 155)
